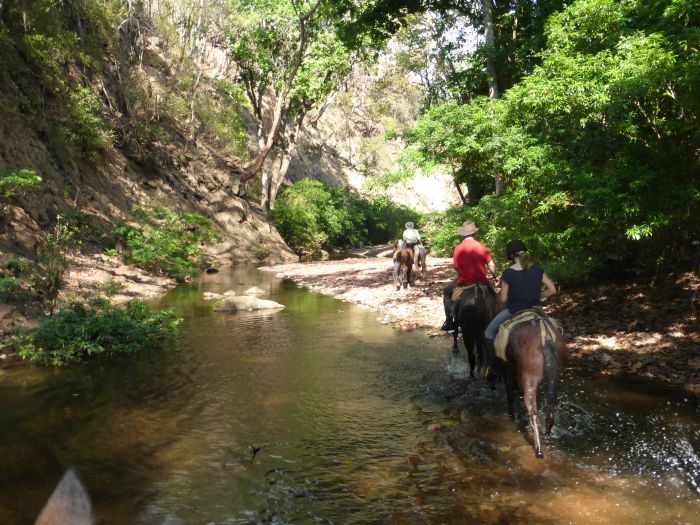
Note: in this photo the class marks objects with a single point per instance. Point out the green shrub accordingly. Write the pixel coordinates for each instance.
(80, 330)
(12, 180)
(167, 242)
(51, 264)
(9, 284)
(85, 128)
(311, 216)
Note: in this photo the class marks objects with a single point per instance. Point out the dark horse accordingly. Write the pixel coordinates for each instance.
(472, 313)
(530, 364)
(403, 265)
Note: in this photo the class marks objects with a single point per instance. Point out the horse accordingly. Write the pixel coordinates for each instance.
(473, 312)
(420, 261)
(403, 264)
(529, 364)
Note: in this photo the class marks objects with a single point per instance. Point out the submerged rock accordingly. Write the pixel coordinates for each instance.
(211, 296)
(254, 290)
(246, 302)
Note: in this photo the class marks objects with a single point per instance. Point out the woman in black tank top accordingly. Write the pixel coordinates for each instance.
(521, 286)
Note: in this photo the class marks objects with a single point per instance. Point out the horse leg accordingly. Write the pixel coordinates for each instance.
(397, 282)
(510, 392)
(469, 345)
(480, 360)
(530, 398)
(552, 375)
(455, 347)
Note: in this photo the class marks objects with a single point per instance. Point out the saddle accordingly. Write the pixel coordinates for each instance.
(459, 290)
(549, 328)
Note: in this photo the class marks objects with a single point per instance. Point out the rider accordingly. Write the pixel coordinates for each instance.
(411, 238)
(521, 286)
(471, 259)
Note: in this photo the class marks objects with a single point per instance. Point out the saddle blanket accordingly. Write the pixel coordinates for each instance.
(550, 327)
(457, 293)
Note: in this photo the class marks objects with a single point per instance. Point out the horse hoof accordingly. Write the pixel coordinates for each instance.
(538, 454)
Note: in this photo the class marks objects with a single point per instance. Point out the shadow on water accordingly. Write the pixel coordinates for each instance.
(319, 414)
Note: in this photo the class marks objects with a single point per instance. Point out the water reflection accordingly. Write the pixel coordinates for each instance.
(319, 414)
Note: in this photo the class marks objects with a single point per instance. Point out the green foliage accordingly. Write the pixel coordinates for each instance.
(45, 41)
(311, 216)
(165, 241)
(111, 287)
(85, 129)
(221, 111)
(81, 330)
(9, 284)
(18, 265)
(597, 147)
(51, 264)
(11, 181)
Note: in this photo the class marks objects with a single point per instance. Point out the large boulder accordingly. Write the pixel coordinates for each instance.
(246, 302)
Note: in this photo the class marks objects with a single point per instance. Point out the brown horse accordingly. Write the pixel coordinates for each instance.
(529, 364)
(472, 314)
(403, 264)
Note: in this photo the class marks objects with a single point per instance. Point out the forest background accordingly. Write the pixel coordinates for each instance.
(570, 125)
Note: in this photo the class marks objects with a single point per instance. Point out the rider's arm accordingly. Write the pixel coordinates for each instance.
(549, 288)
(503, 292)
(491, 267)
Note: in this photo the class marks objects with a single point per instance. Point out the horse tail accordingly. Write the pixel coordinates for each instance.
(552, 372)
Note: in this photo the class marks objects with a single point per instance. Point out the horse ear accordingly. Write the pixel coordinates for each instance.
(69, 504)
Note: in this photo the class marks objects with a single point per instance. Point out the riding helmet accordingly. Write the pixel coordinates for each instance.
(514, 247)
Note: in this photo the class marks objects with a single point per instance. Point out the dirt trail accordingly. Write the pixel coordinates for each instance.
(651, 332)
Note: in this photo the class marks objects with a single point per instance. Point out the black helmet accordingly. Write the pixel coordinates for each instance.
(514, 247)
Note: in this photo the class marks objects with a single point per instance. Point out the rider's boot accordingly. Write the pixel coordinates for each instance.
(490, 354)
(448, 326)
(494, 367)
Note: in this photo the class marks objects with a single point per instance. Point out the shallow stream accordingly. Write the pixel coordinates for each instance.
(319, 414)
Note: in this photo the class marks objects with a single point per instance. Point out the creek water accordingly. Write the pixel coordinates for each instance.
(319, 414)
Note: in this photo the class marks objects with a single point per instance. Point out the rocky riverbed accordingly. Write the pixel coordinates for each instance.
(617, 328)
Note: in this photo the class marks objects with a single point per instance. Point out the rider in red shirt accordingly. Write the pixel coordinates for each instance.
(471, 259)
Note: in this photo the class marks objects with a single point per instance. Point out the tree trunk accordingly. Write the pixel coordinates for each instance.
(491, 69)
(461, 194)
(290, 146)
(255, 165)
(490, 44)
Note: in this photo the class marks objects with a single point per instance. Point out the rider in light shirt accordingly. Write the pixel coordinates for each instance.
(411, 238)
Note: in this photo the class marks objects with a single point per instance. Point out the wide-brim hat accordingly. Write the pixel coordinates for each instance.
(468, 228)
(409, 225)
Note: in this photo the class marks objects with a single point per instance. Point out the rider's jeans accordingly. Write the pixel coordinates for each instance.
(492, 329)
(496, 322)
